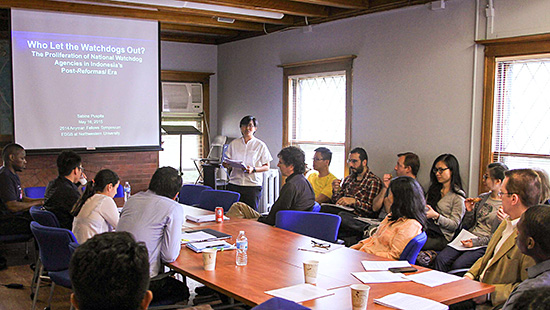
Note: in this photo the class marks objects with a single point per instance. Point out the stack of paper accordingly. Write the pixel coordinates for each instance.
(325, 249)
(406, 301)
(384, 265)
(433, 278)
(379, 277)
(200, 235)
(204, 218)
(219, 245)
(299, 293)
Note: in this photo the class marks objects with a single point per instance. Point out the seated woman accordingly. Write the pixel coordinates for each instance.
(480, 219)
(407, 219)
(96, 212)
(445, 198)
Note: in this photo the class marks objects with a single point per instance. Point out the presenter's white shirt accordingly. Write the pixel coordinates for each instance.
(99, 214)
(253, 154)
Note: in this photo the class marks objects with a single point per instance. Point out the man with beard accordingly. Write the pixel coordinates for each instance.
(359, 188)
(14, 207)
(356, 194)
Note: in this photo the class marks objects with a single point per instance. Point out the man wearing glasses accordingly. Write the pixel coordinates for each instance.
(503, 264)
(63, 192)
(359, 188)
(321, 179)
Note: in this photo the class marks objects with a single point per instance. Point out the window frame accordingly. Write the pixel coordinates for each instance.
(194, 77)
(326, 65)
(499, 48)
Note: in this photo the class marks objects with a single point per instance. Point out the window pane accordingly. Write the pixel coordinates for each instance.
(318, 108)
(190, 146)
(516, 162)
(522, 107)
(338, 157)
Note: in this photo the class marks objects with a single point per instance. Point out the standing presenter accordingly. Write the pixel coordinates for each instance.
(255, 156)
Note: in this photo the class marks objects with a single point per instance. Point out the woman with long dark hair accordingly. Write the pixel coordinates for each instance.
(445, 200)
(480, 219)
(405, 221)
(96, 212)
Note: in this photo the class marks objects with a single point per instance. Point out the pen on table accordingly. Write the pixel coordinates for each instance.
(215, 246)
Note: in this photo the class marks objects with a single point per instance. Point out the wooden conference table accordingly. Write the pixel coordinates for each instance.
(274, 262)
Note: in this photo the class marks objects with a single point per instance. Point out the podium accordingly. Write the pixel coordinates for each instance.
(209, 174)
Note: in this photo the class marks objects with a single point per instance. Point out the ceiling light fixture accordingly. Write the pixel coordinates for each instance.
(207, 7)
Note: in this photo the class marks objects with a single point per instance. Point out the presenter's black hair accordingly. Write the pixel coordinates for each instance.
(247, 119)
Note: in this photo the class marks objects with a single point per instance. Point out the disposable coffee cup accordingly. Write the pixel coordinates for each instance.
(310, 271)
(209, 259)
(359, 296)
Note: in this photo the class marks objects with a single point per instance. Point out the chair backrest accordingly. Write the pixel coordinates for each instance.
(53, 245)
(318, 225)
(210, 199)
(413, 248)
(43, 216)
(316, 207)
(278, 303)
(119, 191)
(35, 192)
(190, 193)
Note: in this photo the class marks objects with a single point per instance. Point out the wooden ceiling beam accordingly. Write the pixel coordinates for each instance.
(188, 38)
(280, 6)
(197, 29)
(169, 17)
(345, 4)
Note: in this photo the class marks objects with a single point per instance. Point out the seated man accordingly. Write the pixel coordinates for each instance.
(532, 240)
(156, 218)
(359, 188)
(321, 179)
(408, 164)
(110, 271)
(63, 192)
(14, 206)
(503, 265)
(296, 194)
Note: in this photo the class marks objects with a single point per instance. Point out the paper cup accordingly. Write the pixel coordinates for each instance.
(359, 296)
(209, 259)
(310, 271)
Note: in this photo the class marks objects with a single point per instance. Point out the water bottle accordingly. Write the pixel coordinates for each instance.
(127, 191)
(242, 247)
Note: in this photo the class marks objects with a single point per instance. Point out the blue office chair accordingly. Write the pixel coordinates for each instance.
(413, 248)
(55, 255)
(119, 191)
(35, 192)
(43, 216)
(316, 207)
(210, 199)
(190, 193)
(318, 225)
(278, 303)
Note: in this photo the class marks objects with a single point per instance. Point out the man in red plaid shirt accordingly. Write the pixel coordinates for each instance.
(359, 188)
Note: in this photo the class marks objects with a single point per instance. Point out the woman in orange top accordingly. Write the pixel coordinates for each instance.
(407, 219)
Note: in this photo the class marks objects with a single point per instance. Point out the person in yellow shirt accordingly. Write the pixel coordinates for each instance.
(321, 179)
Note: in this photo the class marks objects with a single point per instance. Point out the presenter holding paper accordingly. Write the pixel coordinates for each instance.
(255, 156)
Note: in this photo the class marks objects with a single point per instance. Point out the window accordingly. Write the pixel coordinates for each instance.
(516, 103)
(191, 145)
(317, 107)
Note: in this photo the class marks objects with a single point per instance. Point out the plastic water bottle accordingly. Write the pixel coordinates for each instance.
(127, 191)
(242, 247)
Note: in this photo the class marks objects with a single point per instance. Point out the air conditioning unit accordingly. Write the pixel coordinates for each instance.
(181, 97)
